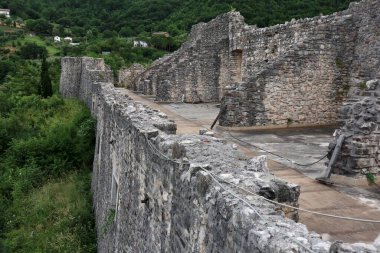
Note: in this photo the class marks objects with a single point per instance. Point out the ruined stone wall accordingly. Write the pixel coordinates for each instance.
(153, 191)
(198, 71)
(360, 123)
(79, 73)
(301, 71)
(359, 116)
(294, 73)
(70, 77)
(366, 58)
(126, 76)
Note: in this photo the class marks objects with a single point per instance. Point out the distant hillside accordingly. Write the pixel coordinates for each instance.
(133, 17)
(107, 28)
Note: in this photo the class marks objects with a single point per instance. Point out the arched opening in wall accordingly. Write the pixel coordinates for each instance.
(236, 62)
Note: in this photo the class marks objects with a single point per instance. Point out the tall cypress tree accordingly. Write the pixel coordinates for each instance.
(45, 88)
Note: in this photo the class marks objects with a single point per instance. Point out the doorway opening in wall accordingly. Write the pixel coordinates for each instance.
(237, 60)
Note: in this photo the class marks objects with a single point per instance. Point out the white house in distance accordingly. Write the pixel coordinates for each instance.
(68, 39)
(57, 39)
(139, 43)
(5, 12)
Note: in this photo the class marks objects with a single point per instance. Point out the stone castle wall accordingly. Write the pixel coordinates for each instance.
(79, 73)
(298, 72)
(153, 191)
(291, 73)
(198, 71)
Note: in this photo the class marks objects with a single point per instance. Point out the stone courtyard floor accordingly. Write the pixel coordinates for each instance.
(346, 197)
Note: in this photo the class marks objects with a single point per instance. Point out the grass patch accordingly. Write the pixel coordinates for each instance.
(54, 218)
(52, 50)
(35, 39)
(8, 28)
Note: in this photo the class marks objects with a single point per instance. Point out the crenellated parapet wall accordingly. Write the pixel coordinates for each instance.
(155, 191)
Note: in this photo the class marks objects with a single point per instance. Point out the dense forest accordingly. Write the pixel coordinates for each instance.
(47, 142)
(132, 17)
(110, 26)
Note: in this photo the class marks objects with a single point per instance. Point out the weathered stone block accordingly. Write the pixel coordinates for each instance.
(360, 125)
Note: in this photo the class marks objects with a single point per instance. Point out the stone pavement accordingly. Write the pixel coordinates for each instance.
(314, 196)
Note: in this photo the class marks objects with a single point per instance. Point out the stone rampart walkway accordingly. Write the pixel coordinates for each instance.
(314, 196)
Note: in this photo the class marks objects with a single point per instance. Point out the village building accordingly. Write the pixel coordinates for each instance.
(57, 39)
(140, 43)
(5, 12)
(68, 39)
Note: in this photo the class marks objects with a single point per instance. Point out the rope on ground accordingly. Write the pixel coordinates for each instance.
(269, 152)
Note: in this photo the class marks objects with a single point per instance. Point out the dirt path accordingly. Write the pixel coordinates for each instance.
(314, 196)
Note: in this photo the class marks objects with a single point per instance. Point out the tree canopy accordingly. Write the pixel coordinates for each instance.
(45, 87)
(133, 17)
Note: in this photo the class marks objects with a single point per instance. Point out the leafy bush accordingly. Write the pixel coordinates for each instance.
(371, 179)
(40, 26)
(32, 51)
(45, 86)
(5, 67)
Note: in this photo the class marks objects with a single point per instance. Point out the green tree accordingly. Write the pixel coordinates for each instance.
(8, 22)
(4, 69)
(40, 26)
(45, 88)
(32, 51)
